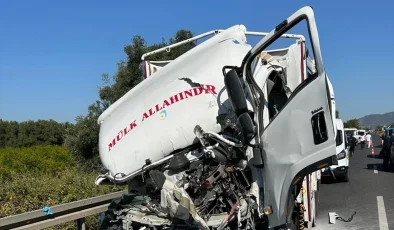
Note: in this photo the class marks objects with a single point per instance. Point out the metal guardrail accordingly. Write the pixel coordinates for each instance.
(73, 211)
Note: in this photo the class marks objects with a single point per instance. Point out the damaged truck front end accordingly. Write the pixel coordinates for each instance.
(203, 152)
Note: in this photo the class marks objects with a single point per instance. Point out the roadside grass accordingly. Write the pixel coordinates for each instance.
(35, 177)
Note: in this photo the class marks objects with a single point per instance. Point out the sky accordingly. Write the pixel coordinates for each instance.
(53, 53)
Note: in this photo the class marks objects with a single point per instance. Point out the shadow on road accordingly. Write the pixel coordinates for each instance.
(329, 180)
(379, 167)
(376, 156)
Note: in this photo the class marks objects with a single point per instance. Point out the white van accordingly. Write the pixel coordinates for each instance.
(340, 171)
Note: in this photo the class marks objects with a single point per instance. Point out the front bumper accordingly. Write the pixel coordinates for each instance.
(338, 171)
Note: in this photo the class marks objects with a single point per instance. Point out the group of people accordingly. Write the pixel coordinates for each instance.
(387, 146)
(366, 140)
(352, 141)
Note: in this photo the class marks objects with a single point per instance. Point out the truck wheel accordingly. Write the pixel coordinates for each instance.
(346, 178)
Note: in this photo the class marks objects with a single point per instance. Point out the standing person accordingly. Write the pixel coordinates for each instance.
(362, 141)
(383, 138)
(352, 144)
(368, 139)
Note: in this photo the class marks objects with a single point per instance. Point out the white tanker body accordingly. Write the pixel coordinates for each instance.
(159, 115)
(200, 142)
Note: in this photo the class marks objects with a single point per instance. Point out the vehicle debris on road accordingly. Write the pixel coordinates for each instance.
(332, 216)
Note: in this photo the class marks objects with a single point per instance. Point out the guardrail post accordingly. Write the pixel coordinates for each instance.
(81, 224)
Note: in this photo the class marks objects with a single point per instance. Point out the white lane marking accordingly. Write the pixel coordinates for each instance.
(375, 169)
(383, 225)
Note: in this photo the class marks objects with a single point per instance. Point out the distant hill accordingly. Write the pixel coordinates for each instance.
(373, 120)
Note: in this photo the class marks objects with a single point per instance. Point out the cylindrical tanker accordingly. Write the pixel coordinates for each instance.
(159, 115)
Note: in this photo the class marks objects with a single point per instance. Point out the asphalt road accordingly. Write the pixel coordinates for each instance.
(369, 193)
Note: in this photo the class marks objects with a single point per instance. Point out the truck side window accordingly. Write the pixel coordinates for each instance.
(319, 128)
(339, 138)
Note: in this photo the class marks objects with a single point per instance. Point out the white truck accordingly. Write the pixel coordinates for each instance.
(341, 171)
(226, 136)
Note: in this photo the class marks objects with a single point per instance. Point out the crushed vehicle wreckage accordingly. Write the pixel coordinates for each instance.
(195, 194)
(202, 152)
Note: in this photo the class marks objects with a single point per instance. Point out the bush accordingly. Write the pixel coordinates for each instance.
(32, 178)
(36, 159)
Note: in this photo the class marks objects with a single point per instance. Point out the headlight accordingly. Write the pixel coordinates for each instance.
(341, 155)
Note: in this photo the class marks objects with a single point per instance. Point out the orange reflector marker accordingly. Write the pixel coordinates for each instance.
(296, 180)
(322, 166)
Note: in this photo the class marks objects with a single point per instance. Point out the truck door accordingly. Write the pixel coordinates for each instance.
(300, 139)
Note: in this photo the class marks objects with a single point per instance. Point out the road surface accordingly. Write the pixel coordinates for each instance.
(369, 193)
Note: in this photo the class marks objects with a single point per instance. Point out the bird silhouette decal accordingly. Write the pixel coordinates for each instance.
(190, 82)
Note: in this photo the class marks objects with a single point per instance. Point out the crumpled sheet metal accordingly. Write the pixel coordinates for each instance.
(179, 204)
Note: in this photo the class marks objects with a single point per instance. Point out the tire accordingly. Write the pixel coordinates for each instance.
(346, 178)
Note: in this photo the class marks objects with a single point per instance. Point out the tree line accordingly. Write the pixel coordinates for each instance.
(31, 133)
